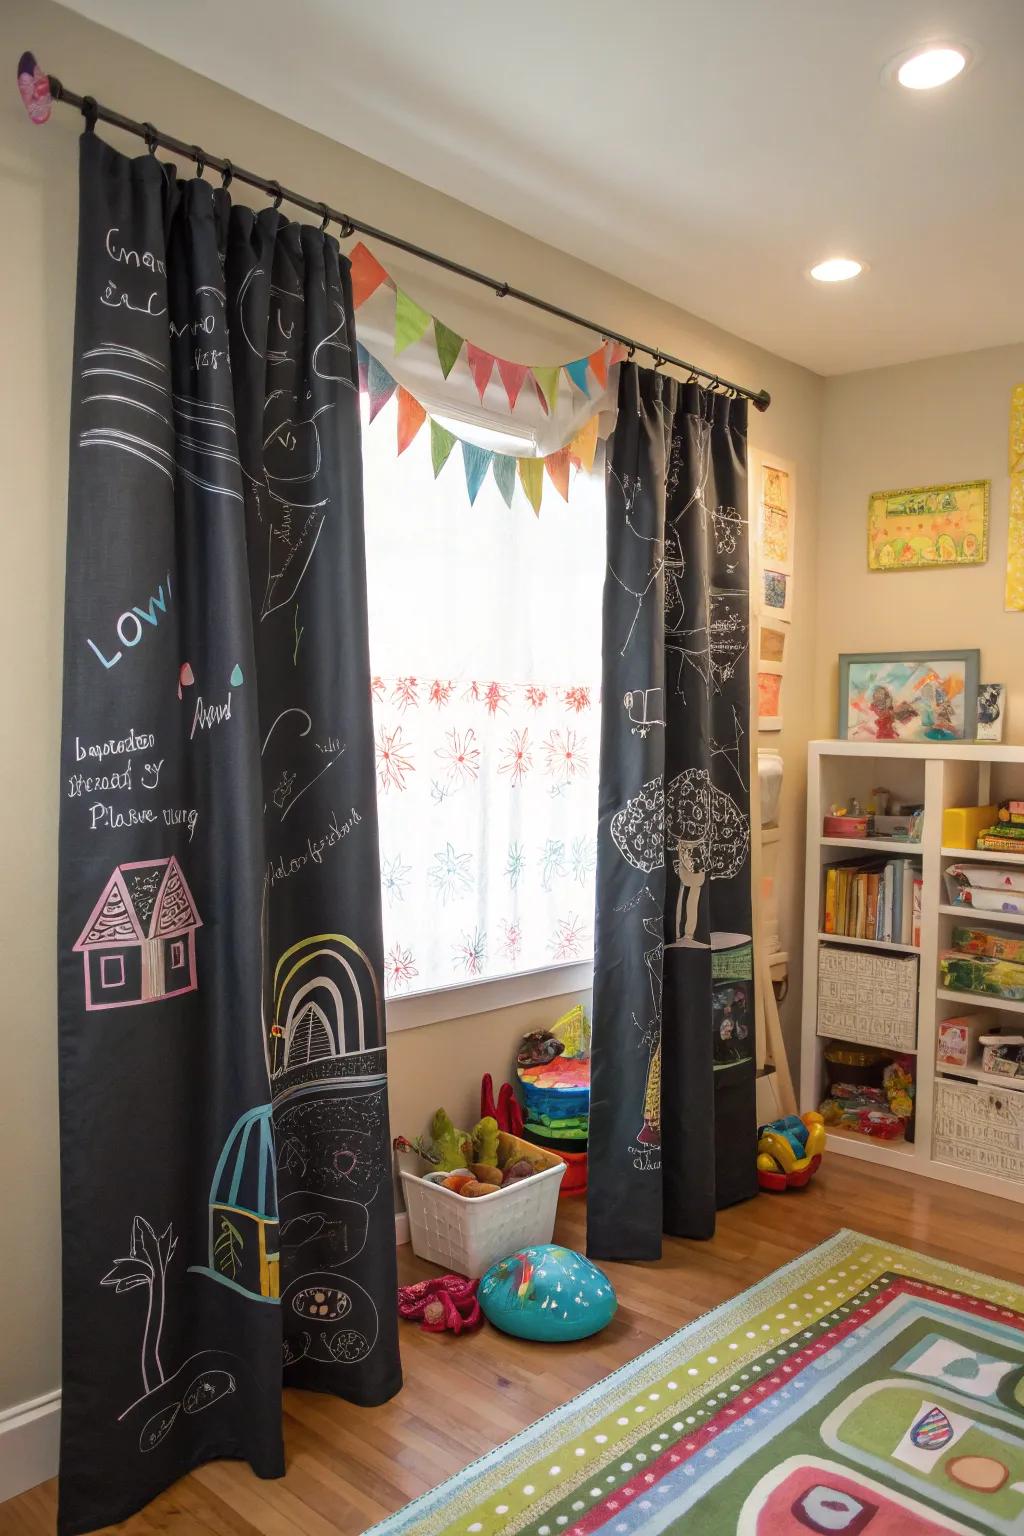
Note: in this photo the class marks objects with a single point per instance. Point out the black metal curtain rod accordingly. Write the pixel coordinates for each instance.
(94, 111)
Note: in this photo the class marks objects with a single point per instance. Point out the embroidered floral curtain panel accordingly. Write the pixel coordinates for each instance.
(225, 1166)
(672, 1117)
(485, 637)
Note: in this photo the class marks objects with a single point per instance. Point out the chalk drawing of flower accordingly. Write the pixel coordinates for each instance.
(516, 757)
(405, 693)
(440, 691)
(394, 877)
(536, 696)
(451, 873)
(471, 952)
(552, 860)
(565, 756)
(377, 687)
(583, 858)
(496, 698)
(399, 968)
(511, 945)
(515, 864)
(576, 699)
(567, 941)
(393, 760)
(461, 755)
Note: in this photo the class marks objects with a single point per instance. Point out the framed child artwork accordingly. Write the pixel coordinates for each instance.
(769, 696)
(908, 695)
(772, 511)
(931, 526)
(991, 711)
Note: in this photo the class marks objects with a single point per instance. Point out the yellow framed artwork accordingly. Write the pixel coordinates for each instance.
(929, 526)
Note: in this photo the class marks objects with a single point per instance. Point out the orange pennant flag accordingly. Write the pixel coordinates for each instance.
(411, 417)
(583, 447)
(481, 366)
(557, 466)
(367, 274)
(531, 478)
(599, 365)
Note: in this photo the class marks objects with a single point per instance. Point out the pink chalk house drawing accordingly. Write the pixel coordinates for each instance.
(139, 944)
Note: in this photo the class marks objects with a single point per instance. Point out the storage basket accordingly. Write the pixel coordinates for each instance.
(468, 1236)
(979, 1127)
(867, 997)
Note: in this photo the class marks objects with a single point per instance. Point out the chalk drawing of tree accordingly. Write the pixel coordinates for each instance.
(146, 1265)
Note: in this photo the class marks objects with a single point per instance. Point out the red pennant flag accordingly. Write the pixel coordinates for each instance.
(367, 274)
(541, 396)
(557, 466)
(513, 376)
(481, 366)
(599, 365)
(411, 417)
(617, 354)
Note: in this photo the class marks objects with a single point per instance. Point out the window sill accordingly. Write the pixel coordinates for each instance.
(471, 997)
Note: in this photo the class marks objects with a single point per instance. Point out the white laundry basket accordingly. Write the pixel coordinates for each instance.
(467, 1236)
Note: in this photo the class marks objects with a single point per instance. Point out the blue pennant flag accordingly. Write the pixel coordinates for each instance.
(476, 461)
(505, 476)
(577, 371)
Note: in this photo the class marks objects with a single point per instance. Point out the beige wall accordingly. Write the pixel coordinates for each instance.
(37, 268)
(925, 423)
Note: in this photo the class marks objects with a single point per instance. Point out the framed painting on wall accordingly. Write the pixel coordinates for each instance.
(931, 526)
(769, 696)
(908, 695)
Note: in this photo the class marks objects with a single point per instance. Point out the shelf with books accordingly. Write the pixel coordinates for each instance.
(885, 944)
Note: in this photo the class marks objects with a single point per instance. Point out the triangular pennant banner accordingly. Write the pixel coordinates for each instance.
(441, 444)
(380, 386)
(512, 375)
(410, 321)
(363, 364)
(411, 417)
(547, 386)
(449, 345)
(557, 466)
(583, 447)
(599, 363)
(505, 476)
(476, 461)
(618, 353)
(367, 274)
(531, 478)
(481, 366)
(577, 371)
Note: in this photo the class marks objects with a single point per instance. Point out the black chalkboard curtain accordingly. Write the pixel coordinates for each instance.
(226, 1186)
(672, 1116)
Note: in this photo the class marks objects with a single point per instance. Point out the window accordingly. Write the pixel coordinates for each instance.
(111, 971)
(177, 954)
(485, 645)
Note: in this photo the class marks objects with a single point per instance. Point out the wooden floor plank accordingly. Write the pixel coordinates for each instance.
(348, 1467)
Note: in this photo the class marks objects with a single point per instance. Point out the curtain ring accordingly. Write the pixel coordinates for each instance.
(150, 137)
(346, 229)
(199, 156)
(227, 175)
(90, 111)
(326, 217)
(631, 353)
(275, 187)
(502, 292)
(659, 361)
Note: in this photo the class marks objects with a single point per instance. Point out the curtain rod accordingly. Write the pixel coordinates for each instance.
(94, 111)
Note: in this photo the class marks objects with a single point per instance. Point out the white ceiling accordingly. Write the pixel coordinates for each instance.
(707, 150)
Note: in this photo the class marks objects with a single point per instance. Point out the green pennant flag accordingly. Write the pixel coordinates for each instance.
(547, 380)
(449, 345)
(504, 467)
(410, 321)
(441, 444)
(531, 475)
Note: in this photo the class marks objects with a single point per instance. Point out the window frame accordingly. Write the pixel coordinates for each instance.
(487, 995)
(110, 986)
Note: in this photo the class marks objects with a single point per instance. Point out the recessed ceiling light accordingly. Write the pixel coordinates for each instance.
(931, 67)
(837, 269)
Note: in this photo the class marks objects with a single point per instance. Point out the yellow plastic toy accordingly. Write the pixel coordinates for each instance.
(789, 1150)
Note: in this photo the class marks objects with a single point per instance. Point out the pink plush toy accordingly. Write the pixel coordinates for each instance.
(442, 1304)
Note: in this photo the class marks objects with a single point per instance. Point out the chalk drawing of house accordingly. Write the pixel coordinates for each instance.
(243, 1238)
(139, 944)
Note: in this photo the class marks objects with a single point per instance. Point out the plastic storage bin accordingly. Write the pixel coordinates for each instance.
(468, 1236)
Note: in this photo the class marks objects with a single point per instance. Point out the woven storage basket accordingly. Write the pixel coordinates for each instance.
(978, 1126)
(868, 997)
(468, 1236)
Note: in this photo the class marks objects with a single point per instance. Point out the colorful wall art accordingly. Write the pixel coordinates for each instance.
(934, 525)
(919, 696)
(769, 696)
(1014, 602)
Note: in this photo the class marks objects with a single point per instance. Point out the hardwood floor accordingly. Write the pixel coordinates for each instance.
(348, 1467)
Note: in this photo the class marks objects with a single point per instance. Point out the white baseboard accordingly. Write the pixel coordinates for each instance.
(30, 1432)
(29, 1443)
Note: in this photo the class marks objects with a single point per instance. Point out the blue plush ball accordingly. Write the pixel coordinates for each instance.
(547, 1292)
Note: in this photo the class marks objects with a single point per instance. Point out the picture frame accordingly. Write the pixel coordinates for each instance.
(768, 683)
(909, 695)
(928, 527)
(772, 640)
(991, 711)
(772, 498)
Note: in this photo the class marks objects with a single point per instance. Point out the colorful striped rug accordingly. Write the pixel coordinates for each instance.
(863, 1388)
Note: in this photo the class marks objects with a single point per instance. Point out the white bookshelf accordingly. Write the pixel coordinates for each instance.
(935, 775)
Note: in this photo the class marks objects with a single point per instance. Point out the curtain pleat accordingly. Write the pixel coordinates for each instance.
(672, 1114)
(226, 1189)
